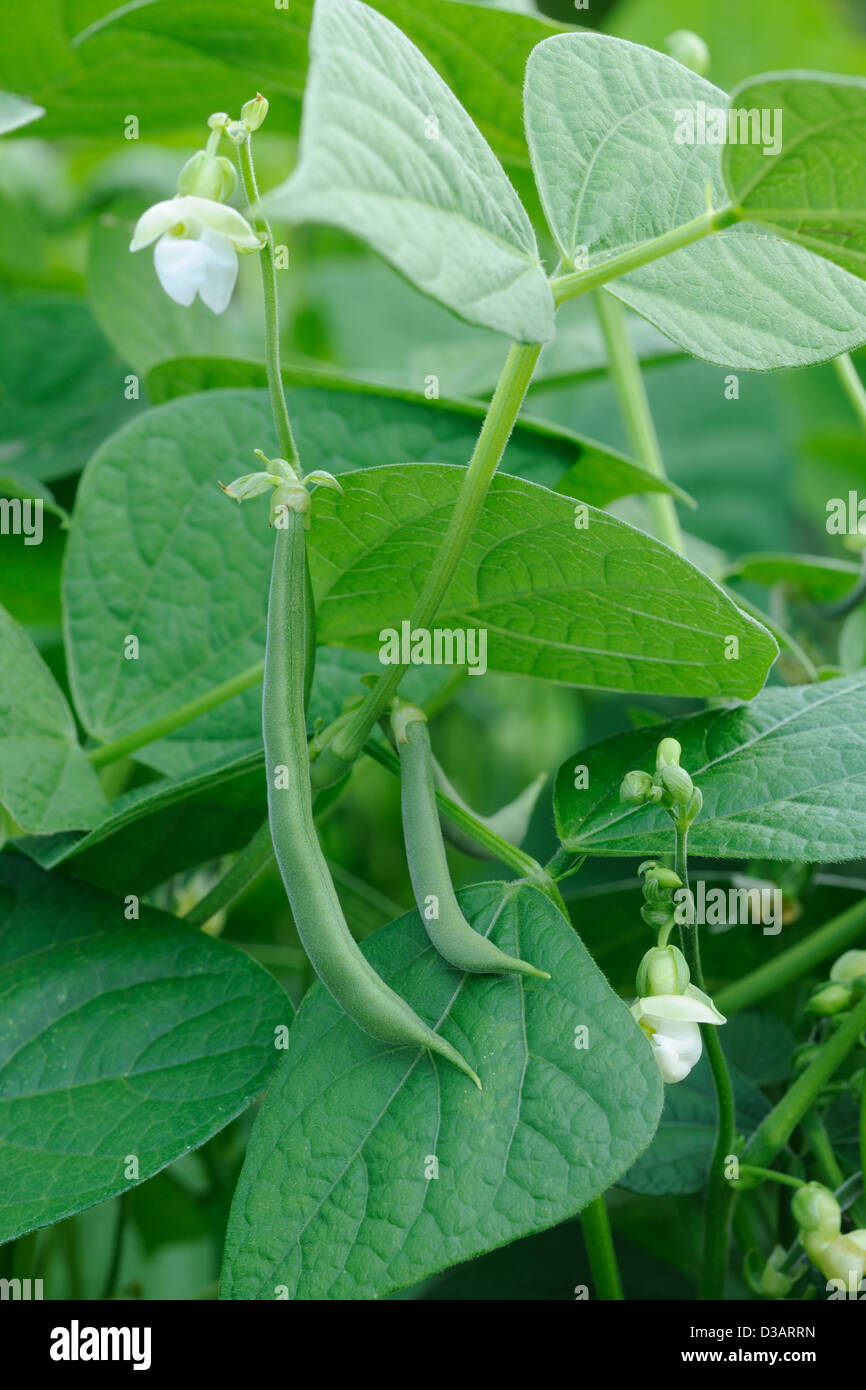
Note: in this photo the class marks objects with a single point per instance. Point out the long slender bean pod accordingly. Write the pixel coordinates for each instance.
(326, 938)
(445, 924)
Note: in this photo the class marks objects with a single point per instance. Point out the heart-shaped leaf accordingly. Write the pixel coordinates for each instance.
(616, 143)
(388, 154)
(122, 1046)
(370, 1167)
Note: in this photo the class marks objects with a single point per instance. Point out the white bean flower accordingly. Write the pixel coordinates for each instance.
(670, 1021)
(197, 250)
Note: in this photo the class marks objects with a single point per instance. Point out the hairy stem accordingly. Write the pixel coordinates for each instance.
(600, 1249)
(280, 410)
(625, 372)
(830, 940)
(578, 282)
(818, 1140)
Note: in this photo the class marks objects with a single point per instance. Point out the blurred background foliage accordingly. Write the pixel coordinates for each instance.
(79, 317)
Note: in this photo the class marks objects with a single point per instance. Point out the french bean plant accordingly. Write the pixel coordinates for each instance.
(287, 579)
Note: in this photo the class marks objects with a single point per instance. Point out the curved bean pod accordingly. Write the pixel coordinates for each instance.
(326, 938)
(448, 930)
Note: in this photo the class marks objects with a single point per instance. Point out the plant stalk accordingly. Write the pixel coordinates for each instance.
(600, 1249)
(830, 940)
(625, 373)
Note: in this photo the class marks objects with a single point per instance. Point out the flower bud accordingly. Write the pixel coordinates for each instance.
(218, 121)
(689, 49)
(668, 754)
(816, 1211)
(850, 969)
(677, 785)
(830, 999)
(660, 874)
(657, 915)
(636, 788)
(663, 970)
(842, 1258)
(253, 112)
(207, 176)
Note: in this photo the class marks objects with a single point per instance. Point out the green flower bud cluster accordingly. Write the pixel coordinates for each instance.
(671, 786)
(658, 890)
(819, 1217)
(847, 982)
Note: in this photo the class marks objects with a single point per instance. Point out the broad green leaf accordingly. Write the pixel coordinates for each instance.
(341, 424)
(46, 782)
(16, 111)
(781, 778)
(193, 55)
(602, 119)
(119, 1041)
(811, 186)
(811, 576)
(604, 606)
(63, 388)
(195, 597)
(336, 1201)
(163, 827)
(678, 1159)
(388, 154)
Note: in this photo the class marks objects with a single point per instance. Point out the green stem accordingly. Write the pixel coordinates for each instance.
(600, 1249)
(853, 386)
(717, 1211)
(819, 1142)
(631, 393)
(581, 281)
(113, 1270)
(830, 940)
(247, 866)
(349, 739)
(748, 1170)
(280, 410)
(776, 1128)
(159, 728)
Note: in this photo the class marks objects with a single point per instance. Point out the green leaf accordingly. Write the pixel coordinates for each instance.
(154, 831)
(195, 595)
(336, 1199)
(781, 778)
(341, 424)
(64, 389)
(810, 576)
(388, 154)
(601, 117)
(604, 606)
(16, 111)
(812, 189)
(119, 1042)
(46, 782)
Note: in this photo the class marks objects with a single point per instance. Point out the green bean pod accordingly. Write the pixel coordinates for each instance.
(445, 924)
(333, 952)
